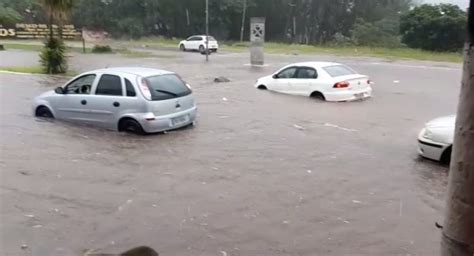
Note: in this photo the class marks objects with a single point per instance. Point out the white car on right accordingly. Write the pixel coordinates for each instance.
(328, 81)
(436, 139)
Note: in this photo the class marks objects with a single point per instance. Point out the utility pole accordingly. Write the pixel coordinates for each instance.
(207, 30)
(458, 230)
(244, 10)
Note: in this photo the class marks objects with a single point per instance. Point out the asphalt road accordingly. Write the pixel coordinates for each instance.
(261, 174)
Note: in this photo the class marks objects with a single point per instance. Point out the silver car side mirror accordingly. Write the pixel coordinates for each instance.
(59, 90)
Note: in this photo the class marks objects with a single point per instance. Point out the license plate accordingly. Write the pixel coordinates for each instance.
(179, 120)
(359, 95)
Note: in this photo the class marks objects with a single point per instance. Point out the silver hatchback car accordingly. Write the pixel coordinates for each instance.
(133, 99)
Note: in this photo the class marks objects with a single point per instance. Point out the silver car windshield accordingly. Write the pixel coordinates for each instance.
(165, 87)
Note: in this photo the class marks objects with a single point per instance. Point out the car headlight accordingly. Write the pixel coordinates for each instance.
(427, 134)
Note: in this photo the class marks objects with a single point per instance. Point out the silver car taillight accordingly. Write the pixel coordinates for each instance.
(144, 88)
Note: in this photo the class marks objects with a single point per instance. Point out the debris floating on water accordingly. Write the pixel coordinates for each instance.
(339, 127)
(301, 128)
(356, 202)
(221, 79)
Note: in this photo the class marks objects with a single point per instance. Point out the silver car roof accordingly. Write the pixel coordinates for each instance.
(138, 71)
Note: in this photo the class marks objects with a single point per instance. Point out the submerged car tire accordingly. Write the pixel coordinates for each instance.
(44, 112)
(318, 96)
(201, 48)
(131, 126)
(446, 156)
(262, 87)
(182, 48)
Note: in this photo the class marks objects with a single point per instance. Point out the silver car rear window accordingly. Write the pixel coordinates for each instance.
(166, 87)
(339, 70)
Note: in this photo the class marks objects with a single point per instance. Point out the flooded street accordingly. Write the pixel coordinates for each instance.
(260, 174)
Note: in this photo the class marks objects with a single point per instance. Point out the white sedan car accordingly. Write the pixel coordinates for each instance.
(436, 139)
(324, 80)
(198, 43)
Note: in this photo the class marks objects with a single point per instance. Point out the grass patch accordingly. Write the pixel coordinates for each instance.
(389, 53)
(273, 48)
(156, 41)
(24, 47)
(143, 54)
(34, 70)
(37, 47)
(135, 54)
(29, 70)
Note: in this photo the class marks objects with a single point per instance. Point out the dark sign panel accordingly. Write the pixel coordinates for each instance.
(37, 31)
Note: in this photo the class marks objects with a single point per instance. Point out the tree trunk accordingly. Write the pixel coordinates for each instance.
(51, 32)
(242, 26)
(458, 231)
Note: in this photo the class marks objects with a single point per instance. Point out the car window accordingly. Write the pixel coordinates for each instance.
(81, 85)
(195, 38)
(129, 88)
(165, 87)
(306, 73)
(339, 70)
(211, 38)
(109, 85)
(287, 73)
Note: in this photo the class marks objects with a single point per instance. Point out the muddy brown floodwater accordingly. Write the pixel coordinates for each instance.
(261, 173)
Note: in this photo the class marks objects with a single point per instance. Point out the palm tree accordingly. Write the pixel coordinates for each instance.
(52, 57)
(56, 9)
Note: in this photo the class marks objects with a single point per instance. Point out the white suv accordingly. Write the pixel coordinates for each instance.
(198, 43)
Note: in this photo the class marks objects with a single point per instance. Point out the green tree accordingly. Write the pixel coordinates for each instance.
(9, 15)
(383, 33)
(434, 27)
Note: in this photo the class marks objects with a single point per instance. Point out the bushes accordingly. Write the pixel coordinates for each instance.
(434, 27)
(101, 49)
(52, 57)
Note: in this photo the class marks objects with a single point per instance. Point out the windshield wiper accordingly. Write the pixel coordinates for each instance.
(168, 92)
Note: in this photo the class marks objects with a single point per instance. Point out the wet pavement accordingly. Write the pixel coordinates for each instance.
(261, 173)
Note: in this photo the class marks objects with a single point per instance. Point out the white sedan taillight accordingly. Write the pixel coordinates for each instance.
(343, 84)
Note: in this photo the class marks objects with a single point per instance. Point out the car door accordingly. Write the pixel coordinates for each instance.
(105, 104)
(188, 43)
(304, 79)
(281, 80)
(131, 102)
(71, 105)
(196, 42)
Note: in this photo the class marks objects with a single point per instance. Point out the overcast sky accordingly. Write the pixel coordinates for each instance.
(463, 3)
